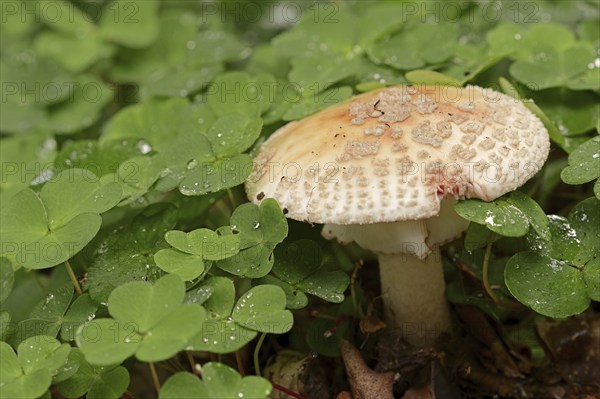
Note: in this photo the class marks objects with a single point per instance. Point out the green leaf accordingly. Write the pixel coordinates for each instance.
(193, 248)
(99, 158)
(300, 265)
(186, 266)
(87, 44)
(311, 103)
(106, 341)
(5, 325)
(316, 73)
(22, 154)
(375, 23)
(241, 93)
(127, 253)
(145, 304)
(172, 334)
(98, 382)
(221, 302)
(591, 275)
(74, 192)
(584, 163)
(548, 286)
(82, 108)
(150, 321)
(82, 310)
(262, 309)
(585, 220)
(29, 374)
(196, 158)
(501, 216)
(555, 68)
(259, 230)
(294, 297)
(198, 295)
(534, 213)
(233, 133)
(47, 230)
(220, 333)
(573, 112)
(52, 308)
(324, 28)
(218, 381)
(416, 46)
(131, 23)
(478, 236)
(431, 78)
(7, 278)
(137, 175)
(16, 384)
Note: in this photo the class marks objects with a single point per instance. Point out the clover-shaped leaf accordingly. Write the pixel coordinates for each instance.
(241, 93)
(98, 382)
(262, 309)
(298, 269)
(584, 164)
(45, 230)
(416, 46)
(99, 158)
(82, 108)
(554, 68)
(310, 103)
(29, 373)
(182, 61)
(7, 278)
(149, 321)
(127, 253)
(218, 381)
(88, 45)
(32, 151)
(230, 327)
(201, 153)
(323, 31)
(508, 216)
(330, 69)
(191, 249)
(131, 23)
(259, 230)
(549, 286)
(574, 112)
(46, 317)
(560, 278)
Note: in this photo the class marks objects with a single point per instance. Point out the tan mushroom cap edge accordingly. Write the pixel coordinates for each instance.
(394, 154)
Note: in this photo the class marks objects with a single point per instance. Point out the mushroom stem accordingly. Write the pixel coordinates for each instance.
(413, 292)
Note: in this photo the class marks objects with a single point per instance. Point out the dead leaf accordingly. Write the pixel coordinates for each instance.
(370, 323)
(286, 370)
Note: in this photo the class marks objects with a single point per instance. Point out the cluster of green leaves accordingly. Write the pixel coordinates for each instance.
(127, 129)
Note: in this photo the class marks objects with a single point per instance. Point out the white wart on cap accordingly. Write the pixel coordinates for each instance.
(394, 154)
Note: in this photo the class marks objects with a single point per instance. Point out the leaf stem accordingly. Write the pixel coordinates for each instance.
(231, 198)
(154, 377)
(73, 278)
(240, 363)
(287, 391)
(195, 369)
(257, 352)
(486, 267)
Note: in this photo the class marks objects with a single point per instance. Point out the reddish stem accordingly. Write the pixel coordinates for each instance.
(287, 391)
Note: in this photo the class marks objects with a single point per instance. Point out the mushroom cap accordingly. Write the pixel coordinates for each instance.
(394, 154)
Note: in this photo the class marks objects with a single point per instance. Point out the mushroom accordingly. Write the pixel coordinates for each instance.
(384, 169)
